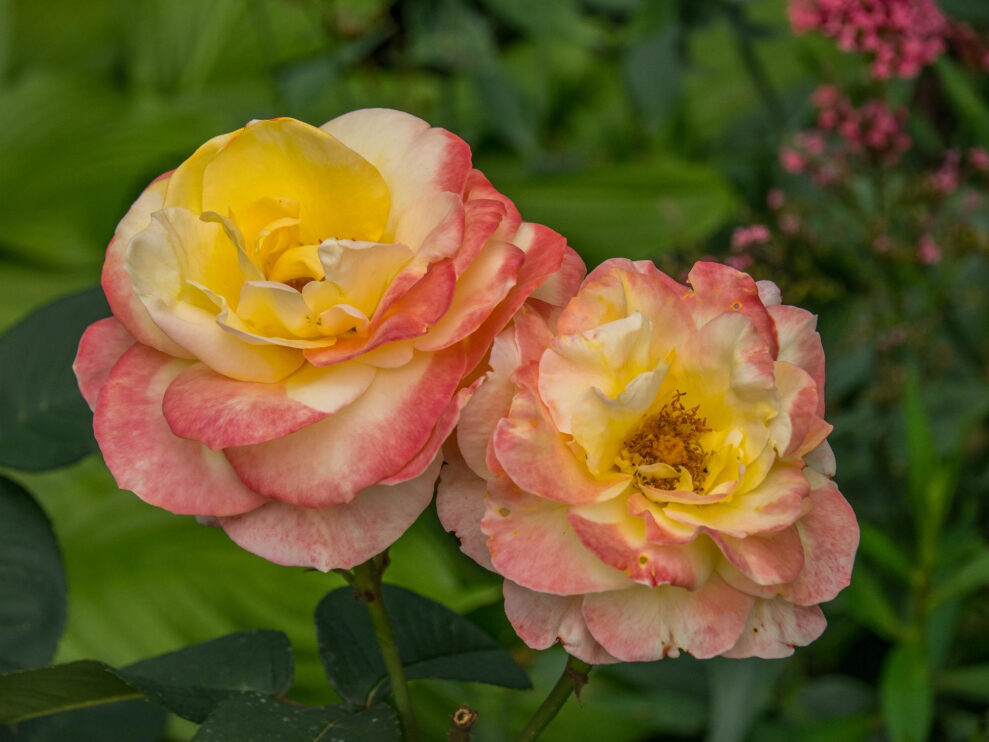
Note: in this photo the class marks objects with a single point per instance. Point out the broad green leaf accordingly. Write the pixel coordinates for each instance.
(965, 682)
(739, 692)
(44, 422)
(27, 694)
(906, 694)
(433, 642)
(884, 551)
(920, 452)
(867, 601)
(253, 718)
(966, 578)
(120, 721)
(192, 681)
(969, 105)
(32, 581)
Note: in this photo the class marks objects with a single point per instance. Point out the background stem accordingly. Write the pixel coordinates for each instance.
(572, 679)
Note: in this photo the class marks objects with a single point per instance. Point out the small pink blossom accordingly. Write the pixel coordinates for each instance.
(791, 160)
(928, 251)
(775, 198)
(739, 262)
(978, 158)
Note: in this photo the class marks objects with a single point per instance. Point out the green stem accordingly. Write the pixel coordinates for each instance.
(367, 581)
(572, 679)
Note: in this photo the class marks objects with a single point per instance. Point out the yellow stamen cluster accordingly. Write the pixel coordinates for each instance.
(670, 437)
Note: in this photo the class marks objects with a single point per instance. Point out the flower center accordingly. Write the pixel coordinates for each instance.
(670, 437)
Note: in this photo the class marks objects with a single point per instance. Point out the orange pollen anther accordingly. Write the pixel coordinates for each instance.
(669, 437)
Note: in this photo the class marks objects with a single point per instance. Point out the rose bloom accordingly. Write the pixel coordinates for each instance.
(295, 310)
(649, 472)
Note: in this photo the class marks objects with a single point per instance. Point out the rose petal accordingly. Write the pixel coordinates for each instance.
(767, 559)
(460, 506)
(719, 288)
(100, 348)
(800, 344)
(775, 627)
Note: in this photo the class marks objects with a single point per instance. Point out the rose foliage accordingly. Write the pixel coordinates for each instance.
(295, 311)
(648, 470)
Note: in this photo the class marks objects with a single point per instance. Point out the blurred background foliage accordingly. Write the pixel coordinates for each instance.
(642, 128)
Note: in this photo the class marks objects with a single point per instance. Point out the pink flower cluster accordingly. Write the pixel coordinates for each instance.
(902, 35)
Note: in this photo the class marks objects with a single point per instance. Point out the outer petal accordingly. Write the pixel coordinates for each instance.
(329, 462)
(537, 460)
(775, 627)
(144, 456)
(460, 506)
(561, 287)
(223, 412)
(767, 559)
(540, 619)
(642, 624)
(532, 543)
(124, 302)
(335, 537)
(719, 289)
(800, 344)
(100, 348)
(798, 407)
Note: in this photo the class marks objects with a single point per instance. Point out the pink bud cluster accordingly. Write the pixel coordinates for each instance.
(903, 36)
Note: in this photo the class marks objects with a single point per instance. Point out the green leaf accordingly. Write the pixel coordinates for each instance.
(964, 98)
(965, 682)
(884, 551)
(32, 581)
(920, 453)
(967, 578)
(121, 721)
(44, 422)
(739, 692)
(867, 601)
(433, 642)
(27, 694)
(192, 681)
(253, 718)
(906, 695)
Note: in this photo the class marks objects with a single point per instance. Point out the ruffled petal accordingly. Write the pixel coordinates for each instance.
(335, 537)
(143, 454)
(800, 344)
(460, 506)
(100, 348)
(540, 619)
(774, 627)
(766, 559)
(643, 624)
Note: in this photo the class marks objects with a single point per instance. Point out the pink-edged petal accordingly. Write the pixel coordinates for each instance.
(460, 506)
(798, 407)
(413, 158)
(620, 541)
(329, 462)
(222, 412)
(478, 188)
(143, 454)
(444, 426)
(767, 559)
(484, 219)
(433, 226)
(100, 347)
(561, 287)
(821, 460)
(660, 529)
(800, 344)
(719, 288)
(124, 301)
(482, 286)
(532, 543)
(829, 535)
(543, 250)
(335, 537)
(540, 620)
(769, 293)
(643, 624)
(538, 460)
(775, 627)
(422, 305)
(772, 506)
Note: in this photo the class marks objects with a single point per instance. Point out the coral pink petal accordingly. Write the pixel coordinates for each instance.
(561, 287)
(800, 344)
(830, 535)
(646, 563)
(144, 455)
(100, 348)
(335, 537)
(460, 506)
(775, 627)
(329, 462)
(479, 188)
(766, 559)
(221, 412)
(798, 408)
(532, 543)
(719, 289)
(537, 459)
(643, 624)
(540, 620)
(482, 219)
(410, 316)
(445, 423)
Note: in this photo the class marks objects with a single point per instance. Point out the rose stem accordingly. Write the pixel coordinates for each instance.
(572, 679)
(367, 581)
